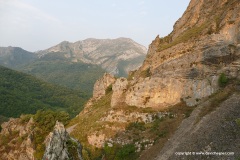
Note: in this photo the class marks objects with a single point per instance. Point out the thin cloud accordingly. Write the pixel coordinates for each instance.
(143, 13)
(114, 5)
(35, 12)
(141, 3)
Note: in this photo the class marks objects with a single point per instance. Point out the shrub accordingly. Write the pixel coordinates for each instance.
(72, 147)
(110, 152)
(145, 73)
(136, 125)
(127, 152)
(223, 80)
(25, 118)
(238, 122)
(109, 89)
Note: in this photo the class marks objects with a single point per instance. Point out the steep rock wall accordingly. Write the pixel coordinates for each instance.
(186, 64)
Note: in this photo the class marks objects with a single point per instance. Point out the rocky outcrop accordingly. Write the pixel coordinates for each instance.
(100, 89)
(116, 56)
(102, 84)
(186, 64)
(60, 146)
(119, 88)
(17, 140)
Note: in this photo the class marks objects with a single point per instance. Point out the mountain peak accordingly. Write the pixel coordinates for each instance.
(110, 54)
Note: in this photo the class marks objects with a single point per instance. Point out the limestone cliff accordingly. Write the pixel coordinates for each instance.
(60, 146)
(186, 64)
(102, 85)
(181, 70)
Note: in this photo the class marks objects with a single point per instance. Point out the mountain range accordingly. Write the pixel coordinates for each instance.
(15, 57)
(116, 56)
(77, 65)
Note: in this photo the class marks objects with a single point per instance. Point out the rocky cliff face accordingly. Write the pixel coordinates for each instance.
(101, 85)
(183, 67)
(186, 64)
(60, 146)
(117, 56)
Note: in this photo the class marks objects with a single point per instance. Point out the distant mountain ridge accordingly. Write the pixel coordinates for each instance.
(117, 56)
(14, 57)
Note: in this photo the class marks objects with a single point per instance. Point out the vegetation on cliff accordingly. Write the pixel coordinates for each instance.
(30, 130)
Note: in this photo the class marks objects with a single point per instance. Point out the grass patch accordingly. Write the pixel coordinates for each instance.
(238, 121)
(89, 123)
(136, 125)
(145, 73)
(184, 37)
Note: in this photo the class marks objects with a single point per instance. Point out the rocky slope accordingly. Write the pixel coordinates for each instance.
(14, 57)
(216, 132)
(181, 70)
(117, 56)
(19, 139)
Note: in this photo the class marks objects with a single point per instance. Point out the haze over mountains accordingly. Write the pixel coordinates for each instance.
(117, 56)
(77, 65)
(15, 57)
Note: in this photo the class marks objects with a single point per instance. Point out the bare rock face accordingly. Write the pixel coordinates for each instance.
(186, 64)
(119, 87)
(102, 84)
(99, 90)
(60, 146)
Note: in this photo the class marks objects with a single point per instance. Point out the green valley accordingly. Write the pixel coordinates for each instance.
(55, 68)
(24, 94)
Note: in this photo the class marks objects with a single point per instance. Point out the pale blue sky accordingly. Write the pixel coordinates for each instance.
(40, 24)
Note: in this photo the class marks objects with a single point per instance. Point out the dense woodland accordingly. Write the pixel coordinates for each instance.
(55, 68)
(24, 94)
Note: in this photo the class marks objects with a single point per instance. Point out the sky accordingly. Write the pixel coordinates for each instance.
(39, 24)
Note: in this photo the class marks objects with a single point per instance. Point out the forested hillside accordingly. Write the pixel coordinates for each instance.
(23, 94)
(56, 68)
